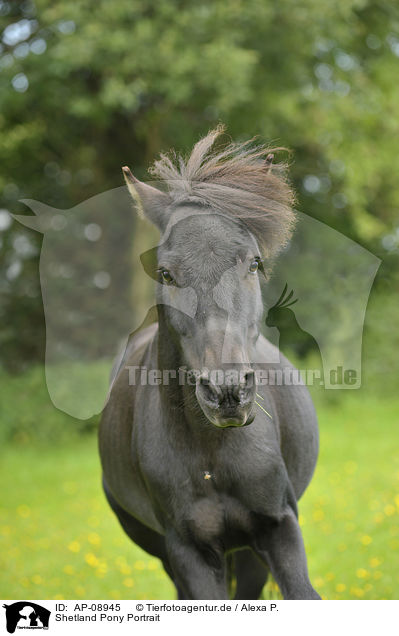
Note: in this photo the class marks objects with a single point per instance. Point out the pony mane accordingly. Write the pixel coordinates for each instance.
(238, 181)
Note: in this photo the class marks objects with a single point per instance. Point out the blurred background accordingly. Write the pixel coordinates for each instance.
(87, 87)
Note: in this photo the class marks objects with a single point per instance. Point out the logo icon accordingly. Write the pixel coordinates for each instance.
(26, 615)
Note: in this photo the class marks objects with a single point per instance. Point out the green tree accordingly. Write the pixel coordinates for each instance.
(88, 86)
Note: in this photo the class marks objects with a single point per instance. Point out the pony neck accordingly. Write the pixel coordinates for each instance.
(177, 394)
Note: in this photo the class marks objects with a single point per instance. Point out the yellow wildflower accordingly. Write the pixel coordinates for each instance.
(361, 573)
(375, 562)
(23, 511)
(91, 559)
(318, 515)
(153, 564)
(94, 538)
(139, 565)
(74, 546)
(366, 539)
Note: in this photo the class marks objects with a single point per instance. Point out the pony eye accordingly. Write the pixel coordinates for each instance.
(253, 268)
(167, 276)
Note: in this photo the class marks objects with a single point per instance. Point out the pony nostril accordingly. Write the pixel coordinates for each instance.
(249, 379)
(207, 390)
(244, 392)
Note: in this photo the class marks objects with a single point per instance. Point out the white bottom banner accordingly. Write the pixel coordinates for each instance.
(199, 617)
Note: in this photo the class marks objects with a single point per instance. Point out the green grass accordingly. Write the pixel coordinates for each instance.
(350, 512)
(59, 536)
(59, 539)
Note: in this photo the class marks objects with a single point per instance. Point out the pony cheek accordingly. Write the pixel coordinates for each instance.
(184, 299)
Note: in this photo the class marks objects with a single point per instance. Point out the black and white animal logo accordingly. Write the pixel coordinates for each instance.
(26, 615)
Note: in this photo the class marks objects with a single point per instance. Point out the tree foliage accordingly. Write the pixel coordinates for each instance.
(88, 86)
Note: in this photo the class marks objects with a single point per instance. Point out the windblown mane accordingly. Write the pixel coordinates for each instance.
(239, 181)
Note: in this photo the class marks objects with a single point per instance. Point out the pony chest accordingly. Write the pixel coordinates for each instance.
(218, 519)
(227, 505)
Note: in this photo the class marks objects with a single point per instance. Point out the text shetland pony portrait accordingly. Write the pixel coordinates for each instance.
(197, 474)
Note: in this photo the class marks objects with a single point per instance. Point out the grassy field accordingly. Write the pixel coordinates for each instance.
(59, 539)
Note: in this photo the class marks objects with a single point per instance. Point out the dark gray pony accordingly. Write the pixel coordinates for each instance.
(204, 468)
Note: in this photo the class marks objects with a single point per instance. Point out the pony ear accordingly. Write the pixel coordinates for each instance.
(150, 202)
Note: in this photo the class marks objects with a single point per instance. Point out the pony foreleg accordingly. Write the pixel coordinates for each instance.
(200, 575)
(282, 548)
(251, 575)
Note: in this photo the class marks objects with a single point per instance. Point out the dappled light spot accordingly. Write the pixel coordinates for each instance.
(20, 82)
(93, 232)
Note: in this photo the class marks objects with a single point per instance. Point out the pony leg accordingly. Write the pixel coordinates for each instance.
(251, 575)
(149, 540)
(198, 574)
(282, 548)
(180, 594)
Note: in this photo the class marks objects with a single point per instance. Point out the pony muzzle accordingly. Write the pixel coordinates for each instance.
(228, 404)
